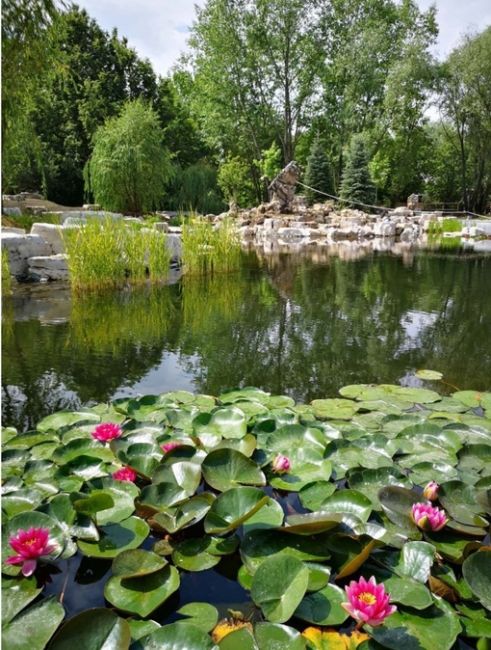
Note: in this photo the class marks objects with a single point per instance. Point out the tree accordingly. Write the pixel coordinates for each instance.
(318, 173)
(357, 184)
(235, 182)
(129, 166)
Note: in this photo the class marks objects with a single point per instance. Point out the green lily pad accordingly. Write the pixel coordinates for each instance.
(477, 572)
(201, 615)
(323, 607)
(231, 508)
(17, 593)
(64, 419)
(136, 563)
(227, 468)
(334, 409)
(416, 560)
(314, 494)
(278, 586)
(183, 515)
(429, 375)
(176, 636)
(202, 553)
(142, 595)
(127, 534)
(397, 504)
(408, 592)
(270, 515)
(272, 636)
(33, 627)
(97, 629)
(228, 421)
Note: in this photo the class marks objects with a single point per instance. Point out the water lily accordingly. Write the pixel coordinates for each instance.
(431, 491)
(169, 446)
(321, 639)
(281, 464)
(224, 627)
(125, 474)
(427, 517)
(107, 431)
(30, 545)
(368, 602)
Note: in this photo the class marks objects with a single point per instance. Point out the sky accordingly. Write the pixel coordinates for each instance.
(158, 29)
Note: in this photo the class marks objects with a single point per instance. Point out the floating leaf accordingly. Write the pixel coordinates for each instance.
(232, 508)
(477, 573)
(115, 538)
(97, 629)
(33, 627)
(323, 607)
(227, 468)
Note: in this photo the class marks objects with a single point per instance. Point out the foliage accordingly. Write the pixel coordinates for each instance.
(6, 277)
(129, 165)
(234, 181)
(354, 481)
(318, 173)
(195, 188)
(207, 248)
(108, 253)
(357, 184)
(27, 220)
(270, 164)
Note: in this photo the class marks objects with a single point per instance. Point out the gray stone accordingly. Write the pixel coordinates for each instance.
(12, 212)
(52, 234)
(20, 248)
(45, 268)
(161, 226)
(384, 228)
(174, 245)
(15, 231)
(293, 233)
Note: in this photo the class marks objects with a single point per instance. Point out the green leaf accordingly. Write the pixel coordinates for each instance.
(429, 375)
(184, 515)
(202, 553)
(17, 593)
(350, 502)
(334, 409)
(227, 468)
(241, 638)
(271, 636)
(33, 627)
(142, 595)
(201, 615)
(115, 538)
(409, 592)
(136, 563)
(64, 419)
(231, 508)
(278, 586)
(323, 607)
(176, 636)
(92, 503)
(477, 573)
(431, 628)
(229, 422)
(94, 629)
(269, 516)
(314, 494)
(397, 504)
(416, 560)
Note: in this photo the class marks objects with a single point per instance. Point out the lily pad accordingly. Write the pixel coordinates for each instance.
(323, 607)
(128, 534)
(227, 468)
(33, 627)
(232, 508)
(97, 629)
(477, 573)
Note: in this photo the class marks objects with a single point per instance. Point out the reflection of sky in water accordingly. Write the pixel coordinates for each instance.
(168, 375)
(415, 323)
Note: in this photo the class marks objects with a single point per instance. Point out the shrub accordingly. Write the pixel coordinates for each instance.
(235, 182)
(318, 173)
(357, 184)
(129, 166)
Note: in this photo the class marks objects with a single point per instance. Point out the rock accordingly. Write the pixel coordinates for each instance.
(247, 232)
(384, 228)
(91, 206)
(12, 212)
(402, 211)
(409, 234)
(132, 219)
(162, 226)
(292, 233)
(13, 230)
(45, 268)
(20, 248)
(78, 217)
(174, 245)
(52, 234)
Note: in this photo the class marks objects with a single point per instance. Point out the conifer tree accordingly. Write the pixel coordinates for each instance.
(357, 184)
(318, 173)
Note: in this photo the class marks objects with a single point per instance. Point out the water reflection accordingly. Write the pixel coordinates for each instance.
(303, 325)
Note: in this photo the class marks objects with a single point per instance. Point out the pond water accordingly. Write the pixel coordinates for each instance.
(291, 324)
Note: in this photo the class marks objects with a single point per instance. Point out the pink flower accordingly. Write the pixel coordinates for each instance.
(169, 446)
(431, 491)
(125, 474)
(280, 464)
(106, 431)
(368, 602)
(427, 517)
(30, 545)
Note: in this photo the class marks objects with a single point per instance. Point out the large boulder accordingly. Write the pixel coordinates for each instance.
(52, 234)
(45, 268)
(174, 245)
(20, 248)
(384, 228)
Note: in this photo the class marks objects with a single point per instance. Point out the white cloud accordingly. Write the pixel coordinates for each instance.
(158, 29)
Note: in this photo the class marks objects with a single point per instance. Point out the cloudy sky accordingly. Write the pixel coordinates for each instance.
(157, 29)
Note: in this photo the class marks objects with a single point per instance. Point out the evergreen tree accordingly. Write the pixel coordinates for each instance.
(357, 184)
(318, 173)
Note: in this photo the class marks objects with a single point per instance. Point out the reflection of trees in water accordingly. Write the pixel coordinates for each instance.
(291, 327)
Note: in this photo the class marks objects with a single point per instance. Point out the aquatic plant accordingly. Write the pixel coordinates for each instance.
(108, 253)
(208, 247)
(6, 277)
(343, 533)
(431, 491)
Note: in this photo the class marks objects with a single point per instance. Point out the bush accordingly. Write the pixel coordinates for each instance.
(129, 166)
(195, 188)
(318, 173)
(235, 182)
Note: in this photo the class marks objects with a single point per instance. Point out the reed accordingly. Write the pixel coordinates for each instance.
(208, 249)
(6, 277)
(108, 253)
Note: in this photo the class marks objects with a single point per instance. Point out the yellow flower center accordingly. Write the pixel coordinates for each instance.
(30, 542)
(367, 598)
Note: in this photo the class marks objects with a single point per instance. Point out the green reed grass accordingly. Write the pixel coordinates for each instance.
(109, 253)
(207, 248)
(6, 277)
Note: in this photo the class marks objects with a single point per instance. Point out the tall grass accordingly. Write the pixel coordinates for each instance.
(26, 220)
(109, 253)
(6, 277)
(207, 248)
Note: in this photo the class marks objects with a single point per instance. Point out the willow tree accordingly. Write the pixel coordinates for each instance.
(129, 165)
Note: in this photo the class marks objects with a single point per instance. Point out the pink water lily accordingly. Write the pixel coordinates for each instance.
(107, 431)
(368, 602)
(169, 446)
(30, 545)
(125, 474)
(280, 464)
(427, 517)
(431, 491)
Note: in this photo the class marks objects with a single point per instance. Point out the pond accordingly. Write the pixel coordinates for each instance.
(292, 324)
